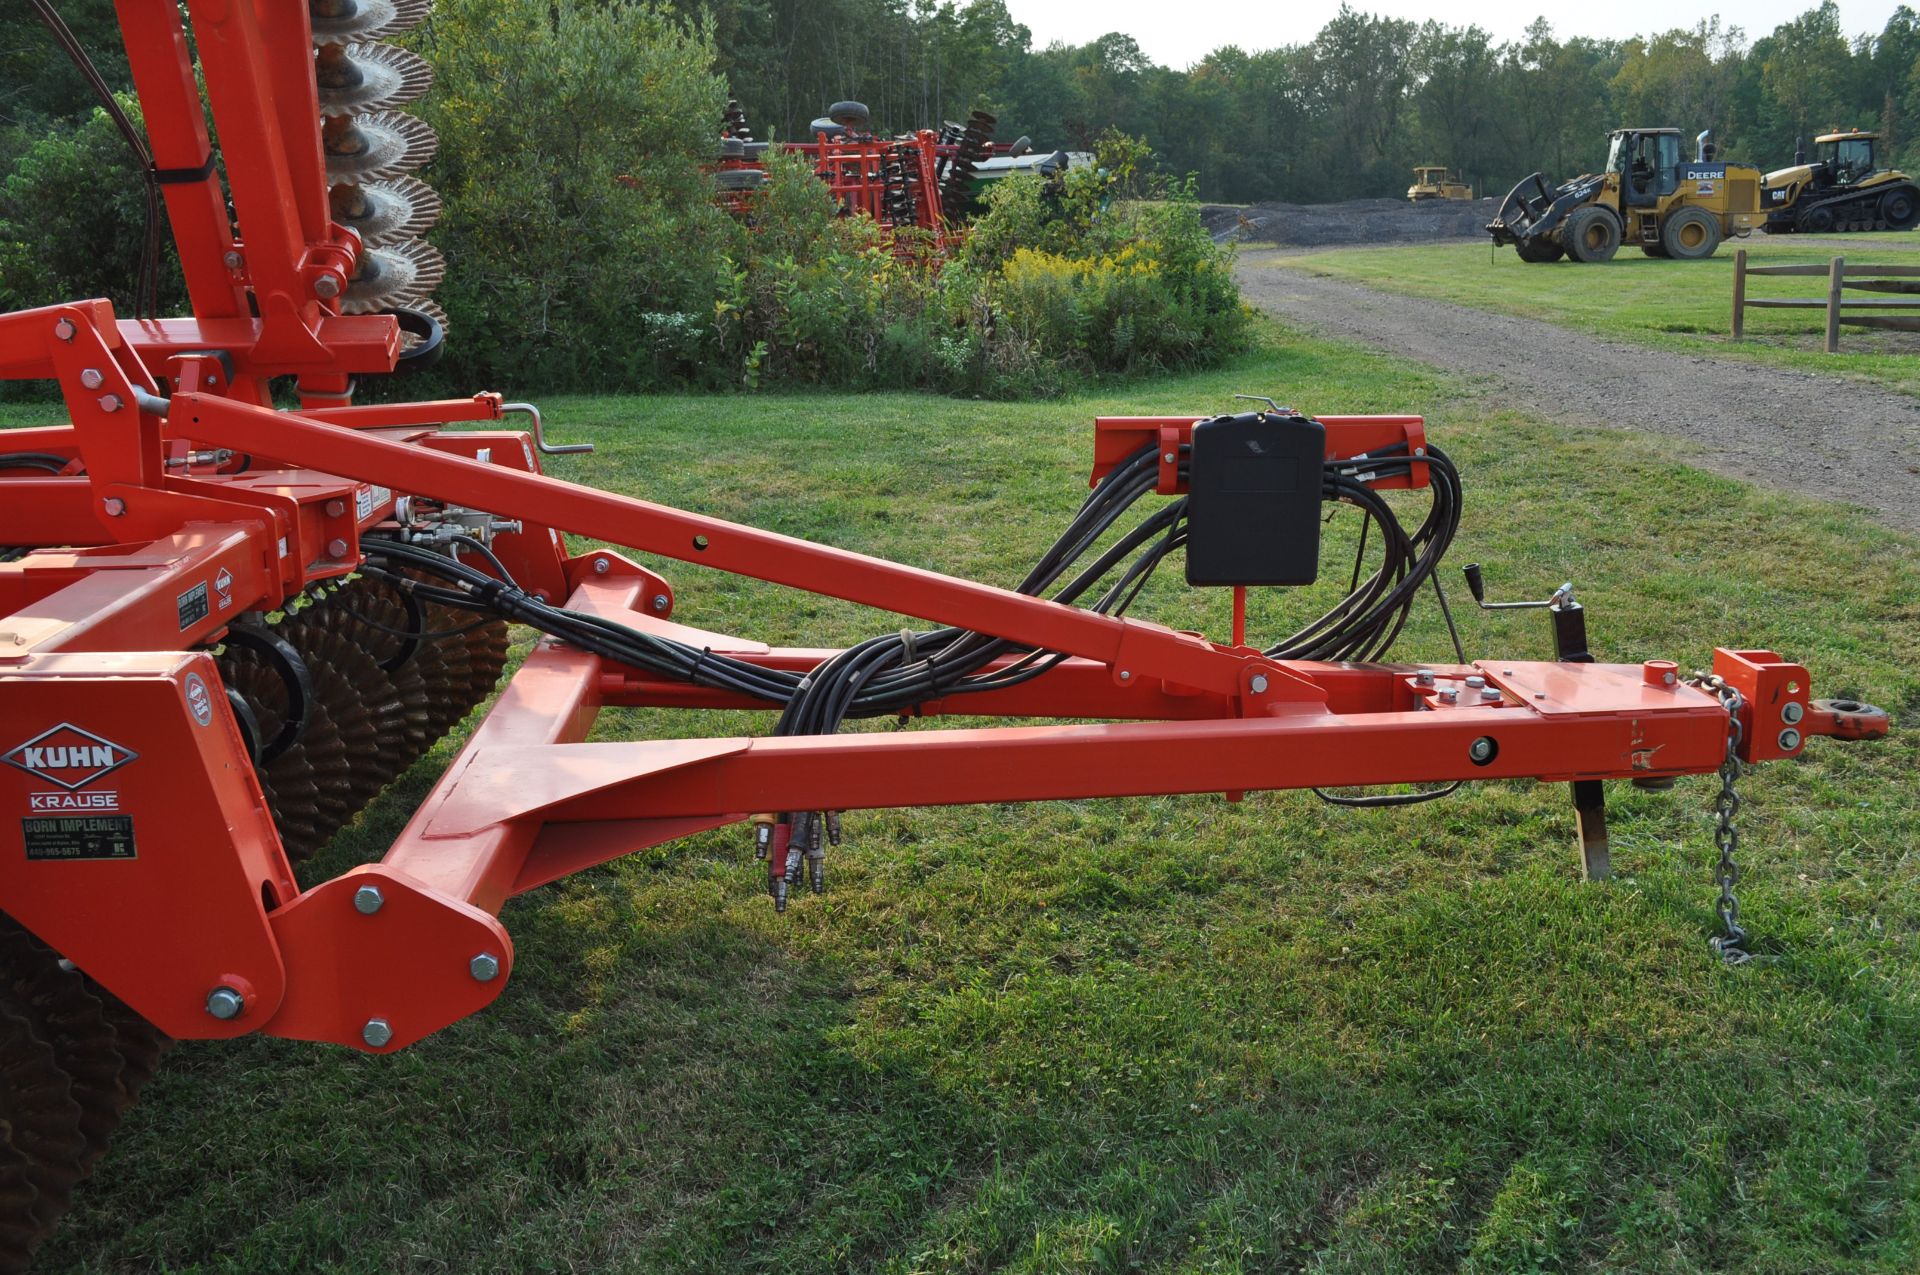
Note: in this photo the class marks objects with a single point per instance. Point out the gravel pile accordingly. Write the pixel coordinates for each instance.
(1359, 221)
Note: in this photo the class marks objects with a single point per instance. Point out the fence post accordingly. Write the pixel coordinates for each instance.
(1836, 274)
(1739, 294)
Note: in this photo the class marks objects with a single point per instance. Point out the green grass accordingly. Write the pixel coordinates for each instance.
(1684, 306)
(1171, 1035)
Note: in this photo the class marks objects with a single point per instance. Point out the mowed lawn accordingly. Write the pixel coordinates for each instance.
(1172, 1035)
(1677, 305)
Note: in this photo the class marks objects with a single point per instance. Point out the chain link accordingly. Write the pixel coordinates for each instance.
(1731, 943)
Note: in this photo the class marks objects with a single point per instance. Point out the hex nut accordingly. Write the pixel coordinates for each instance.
(484, 967)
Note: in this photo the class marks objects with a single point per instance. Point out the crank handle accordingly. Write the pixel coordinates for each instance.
(1477, 585)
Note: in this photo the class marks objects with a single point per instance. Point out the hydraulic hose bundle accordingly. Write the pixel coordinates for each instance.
(894, 673)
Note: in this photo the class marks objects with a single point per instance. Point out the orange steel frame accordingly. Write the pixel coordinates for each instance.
(94, 635)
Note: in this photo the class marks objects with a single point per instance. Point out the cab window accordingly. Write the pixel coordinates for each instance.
(1850, 158)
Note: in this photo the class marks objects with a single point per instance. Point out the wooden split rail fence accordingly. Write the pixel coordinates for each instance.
(1864, 312)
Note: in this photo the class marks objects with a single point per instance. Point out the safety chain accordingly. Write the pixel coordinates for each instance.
(1732, 943)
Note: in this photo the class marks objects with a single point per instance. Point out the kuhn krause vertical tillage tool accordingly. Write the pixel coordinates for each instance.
(225, 627)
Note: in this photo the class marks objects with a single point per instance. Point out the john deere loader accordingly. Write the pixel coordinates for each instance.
(1648, 197)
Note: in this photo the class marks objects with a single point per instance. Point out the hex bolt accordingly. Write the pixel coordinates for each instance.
(601, 566)
(1481, 750)
(367, 900)
(109, 402)
(1474, 681)
(1449, 695)
(1789, 739)
(484, 967)
(114, 506)
(377, 1032)
(1791, 712)
(1259, 683)
(337, 548)
(660, 602)
(65, 330)
(92, 378)
(335, 508)
(327, 286)
(233, 260)
(1489, 693)
(224, 1003)
(1424, 677)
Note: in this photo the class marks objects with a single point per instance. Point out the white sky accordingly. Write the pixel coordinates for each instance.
(1174, 35)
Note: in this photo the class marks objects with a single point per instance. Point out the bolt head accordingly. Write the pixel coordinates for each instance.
(1489, 693)
(601, 566)
(377, 1033)
(1792, 711)
(92, 378)
(367, 900)
(1126, 675)
(114, 506)
(327, 286)
(337, 548)
(1474, 681)
(1167, 457)
(1424, 677)
(224, 1003)
(65, 330)
(484, 967)
(660, 602)
(109, 402)
(335, 508)
(1481, 749)
(1789, 739)
(1259, 683)
(233, 260)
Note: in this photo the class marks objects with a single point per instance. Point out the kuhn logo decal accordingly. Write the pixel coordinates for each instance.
(69, 756)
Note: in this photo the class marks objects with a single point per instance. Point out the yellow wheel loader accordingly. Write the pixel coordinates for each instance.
(1437, 183)
(1648, 197)
(1844, 188)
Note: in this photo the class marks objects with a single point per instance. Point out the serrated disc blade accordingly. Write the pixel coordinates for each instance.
(340, 21)
(376, 147)
(395, 275)
(368, 77)
(386, 212)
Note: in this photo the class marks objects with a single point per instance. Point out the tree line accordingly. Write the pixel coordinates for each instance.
(1342, 116)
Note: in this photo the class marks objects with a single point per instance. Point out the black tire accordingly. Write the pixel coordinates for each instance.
(1591, 234)
(1900, 208)
(1654, 250)
(849, 114)
(1539, 252)
(740, 179)
(1690, 234)
(1818, 220)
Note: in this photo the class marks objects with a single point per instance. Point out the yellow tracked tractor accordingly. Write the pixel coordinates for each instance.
(1844, 188)
(1437, 183)
(1647, 196)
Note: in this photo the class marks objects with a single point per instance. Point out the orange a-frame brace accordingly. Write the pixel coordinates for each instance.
(189, 502)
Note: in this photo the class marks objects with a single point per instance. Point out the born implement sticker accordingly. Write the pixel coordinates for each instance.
(67, 839)
(193, 606)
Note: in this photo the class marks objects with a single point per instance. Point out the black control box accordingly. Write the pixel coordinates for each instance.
(1253, 500)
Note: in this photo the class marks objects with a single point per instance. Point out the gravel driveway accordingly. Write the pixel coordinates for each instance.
(1824, 436)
